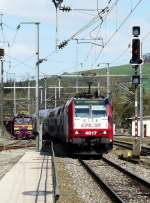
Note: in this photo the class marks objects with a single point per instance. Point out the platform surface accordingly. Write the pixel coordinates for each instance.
(29, 181)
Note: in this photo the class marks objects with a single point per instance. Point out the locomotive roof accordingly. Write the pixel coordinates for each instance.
(96, 101)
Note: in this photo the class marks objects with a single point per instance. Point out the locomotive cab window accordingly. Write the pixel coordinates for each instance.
(98, 111)
(23, 120)
(82, 112)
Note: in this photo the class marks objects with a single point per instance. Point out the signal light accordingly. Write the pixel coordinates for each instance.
(136, 31)
(1, 52)
(136, 52)
(135, 80)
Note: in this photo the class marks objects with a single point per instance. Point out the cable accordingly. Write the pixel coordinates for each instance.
(51, 53)
(20, 62)
(8, 27)
(121, 24)
(1, 24)
(14, 38)
(105, 12)
(145, 36)
(91, 22)
(122, 54)
(86, 13)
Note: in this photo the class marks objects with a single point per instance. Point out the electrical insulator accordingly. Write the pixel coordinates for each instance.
(65, 8)
(64, 43)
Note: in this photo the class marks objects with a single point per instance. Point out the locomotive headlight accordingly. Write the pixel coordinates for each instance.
(76, 132)
(104, 132)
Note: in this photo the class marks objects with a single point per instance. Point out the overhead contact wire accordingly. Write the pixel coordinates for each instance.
(122, 23)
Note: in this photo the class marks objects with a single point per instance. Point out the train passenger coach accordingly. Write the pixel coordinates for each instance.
(85, 124)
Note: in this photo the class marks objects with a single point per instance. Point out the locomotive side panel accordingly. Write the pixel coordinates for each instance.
(65, 125)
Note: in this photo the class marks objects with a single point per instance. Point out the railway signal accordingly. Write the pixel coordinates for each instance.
(1, 90)
(136, 52)
(136, 47)
(136, 62)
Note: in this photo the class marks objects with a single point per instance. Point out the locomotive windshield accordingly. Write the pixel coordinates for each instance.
(82, 112)
(90, 111)
(23, 120)
(98, 113)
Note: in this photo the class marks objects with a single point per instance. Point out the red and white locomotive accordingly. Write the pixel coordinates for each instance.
(84, 123)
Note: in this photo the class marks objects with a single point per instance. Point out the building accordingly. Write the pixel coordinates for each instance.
(146, 126)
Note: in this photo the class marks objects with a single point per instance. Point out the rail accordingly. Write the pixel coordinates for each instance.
(55, 176)
(145, 150)
(100, 182)
(139, 179)
(113, 191)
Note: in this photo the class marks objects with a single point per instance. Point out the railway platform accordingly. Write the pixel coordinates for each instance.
(29, 181)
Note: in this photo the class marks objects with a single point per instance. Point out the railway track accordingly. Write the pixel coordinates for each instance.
(121, 185)
(145, 150)
(17, 144)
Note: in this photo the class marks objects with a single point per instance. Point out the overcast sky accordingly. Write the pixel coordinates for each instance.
(20, 55)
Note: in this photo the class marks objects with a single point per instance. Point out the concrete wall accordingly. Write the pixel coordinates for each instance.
(146, 128)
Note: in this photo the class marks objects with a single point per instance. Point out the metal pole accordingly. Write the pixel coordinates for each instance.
(14, 96)
(57, 3)
(56, 28)
(98, 89)
(77, 57)
(108, 80)
(59, 87)
(136, 144)
(77, 84)
(141, 102)
(37, 86)
(55, 98)
(29, 110)
(2, 124)
(137, 140)
(45, 94)
(141, 99)
(41, 96)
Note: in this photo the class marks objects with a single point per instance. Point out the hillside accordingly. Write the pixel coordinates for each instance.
(125, 70)
(121, 90)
